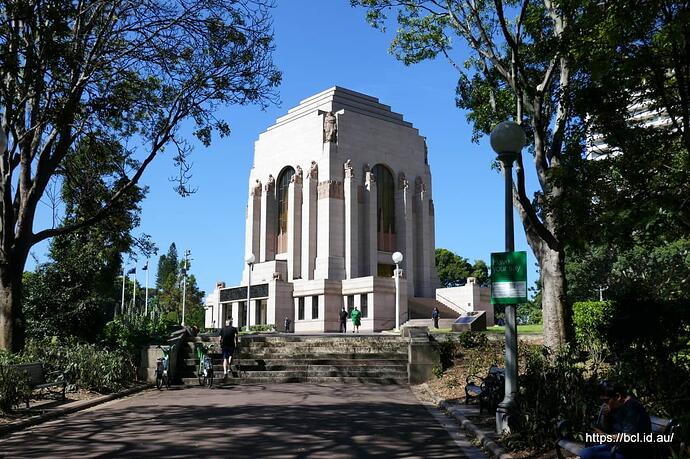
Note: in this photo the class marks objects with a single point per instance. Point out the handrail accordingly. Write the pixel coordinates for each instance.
(456, 306)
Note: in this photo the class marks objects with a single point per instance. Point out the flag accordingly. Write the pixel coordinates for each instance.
(146, 266)
(132, 271)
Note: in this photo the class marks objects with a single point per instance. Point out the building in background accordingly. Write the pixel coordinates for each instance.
(337, 186)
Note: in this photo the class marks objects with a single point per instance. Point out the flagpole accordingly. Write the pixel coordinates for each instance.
(146, 301)
(122, 307)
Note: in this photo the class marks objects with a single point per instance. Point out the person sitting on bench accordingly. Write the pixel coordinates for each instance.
(620, 413)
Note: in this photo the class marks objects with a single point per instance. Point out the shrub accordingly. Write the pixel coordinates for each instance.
(131, 333)
(263, 328)
(447, 350)
(83, 366)
(14, 387)
(551, 389)
(591, 320)
(471, 340)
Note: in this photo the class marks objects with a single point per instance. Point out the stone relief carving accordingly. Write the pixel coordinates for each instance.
(349, 173)
(277, 276)
(402, 181)
(270, 183)
(314, 170)
(331, 189)
(330, 128)
(297, 176)
(256, 188)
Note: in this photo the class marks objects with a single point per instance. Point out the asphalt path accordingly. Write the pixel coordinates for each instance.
(285, 420)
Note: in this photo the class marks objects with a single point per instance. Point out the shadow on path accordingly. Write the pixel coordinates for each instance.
(290, 420)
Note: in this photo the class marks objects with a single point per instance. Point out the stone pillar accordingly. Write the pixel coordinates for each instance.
(408, 244)
(330, 240)
(433, 279)
(330, 250)
(351, 224)
(268, 222)
(371, 241)
(309, 216)
(424, 240)
(253, 231)
(294, 262)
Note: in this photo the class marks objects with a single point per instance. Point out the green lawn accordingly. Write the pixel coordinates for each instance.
(524, 329)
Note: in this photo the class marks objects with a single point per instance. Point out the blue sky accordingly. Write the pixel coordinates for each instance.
(320, 44)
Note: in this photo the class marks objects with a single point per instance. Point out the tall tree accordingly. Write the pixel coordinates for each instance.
(169, 287)
(115, 70)
(453, 270)
(75, 293)
(521, 67)
(167, 266)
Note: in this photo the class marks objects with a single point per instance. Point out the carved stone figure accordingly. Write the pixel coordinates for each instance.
(349, 173)
(419, 185)
(402, 182)
(330, 128)
(270, 183)
(256, 188)
(314, 170)
(297, 176)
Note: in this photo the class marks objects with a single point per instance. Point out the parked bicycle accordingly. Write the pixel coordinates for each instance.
(163, 367)
(205, 367)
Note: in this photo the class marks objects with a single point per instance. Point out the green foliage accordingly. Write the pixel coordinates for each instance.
(529, 313)
(75, 292)
(131, 333)
(453, 270)
(168, 298)
(592, 321)
(262, 328)
(550, 389)
(472, 340)
(448, 350)
(14, 387)
(82, 365)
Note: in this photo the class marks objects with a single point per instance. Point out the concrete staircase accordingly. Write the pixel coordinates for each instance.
(420, 308)
(323, 359)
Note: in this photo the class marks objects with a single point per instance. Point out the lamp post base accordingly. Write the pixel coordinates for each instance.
(504, 414)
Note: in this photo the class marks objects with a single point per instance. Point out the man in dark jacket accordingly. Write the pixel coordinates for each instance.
(229, 339)
(343, 320)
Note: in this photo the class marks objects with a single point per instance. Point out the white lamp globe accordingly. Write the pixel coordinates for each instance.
(249, 259)
(397, 257)
(507, 137)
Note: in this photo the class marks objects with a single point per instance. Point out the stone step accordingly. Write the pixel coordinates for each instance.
(191, 370)
(310, 380)
(307, 362)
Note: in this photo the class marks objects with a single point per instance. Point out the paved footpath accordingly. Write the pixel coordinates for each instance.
(286, 420)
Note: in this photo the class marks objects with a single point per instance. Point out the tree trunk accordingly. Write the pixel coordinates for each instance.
(12, 326)
(555, 311)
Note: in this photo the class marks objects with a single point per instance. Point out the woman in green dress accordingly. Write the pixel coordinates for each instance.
(356, 319)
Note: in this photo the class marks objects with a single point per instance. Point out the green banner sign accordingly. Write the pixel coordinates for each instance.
(508, 277)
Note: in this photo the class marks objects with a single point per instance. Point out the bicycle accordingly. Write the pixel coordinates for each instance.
(162, 367)
(205, 367)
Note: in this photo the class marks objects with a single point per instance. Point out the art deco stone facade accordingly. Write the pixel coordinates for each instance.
(338, 184)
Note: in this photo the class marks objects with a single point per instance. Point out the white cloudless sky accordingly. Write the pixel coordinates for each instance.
(320, 44)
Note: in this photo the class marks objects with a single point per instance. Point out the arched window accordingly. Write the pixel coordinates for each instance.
(385, 208)
(282, 199)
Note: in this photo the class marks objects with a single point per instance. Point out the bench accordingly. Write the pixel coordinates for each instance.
(37, 379)
(489, 390)
(660, 426)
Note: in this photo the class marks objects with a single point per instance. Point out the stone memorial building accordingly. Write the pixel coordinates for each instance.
(338, 185)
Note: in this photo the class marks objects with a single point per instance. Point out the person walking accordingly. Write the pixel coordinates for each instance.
(343, 320)
(435, 315)
(229, 340)
(356, 319)
(287, 324)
